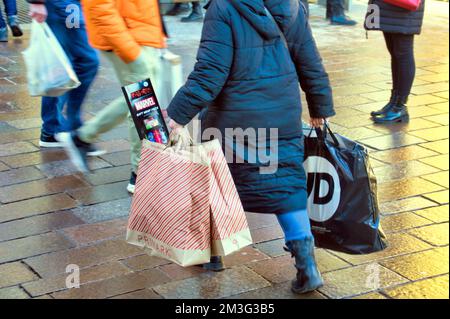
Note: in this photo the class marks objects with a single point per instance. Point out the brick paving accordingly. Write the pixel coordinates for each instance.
(51, 216)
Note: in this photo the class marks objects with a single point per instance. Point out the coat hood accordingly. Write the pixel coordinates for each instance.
(253, 11)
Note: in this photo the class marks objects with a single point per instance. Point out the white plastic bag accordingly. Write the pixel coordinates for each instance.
(49, 70)
(171, 78)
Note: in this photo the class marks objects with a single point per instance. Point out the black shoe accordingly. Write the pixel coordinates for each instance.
(177, 9)
(215, 264)
(132, 183)
(76, 148)
(387, 107)
(16, 31)
(342, 20)
(308, 275)
(47, 140)
(196, 14)
(396, 114)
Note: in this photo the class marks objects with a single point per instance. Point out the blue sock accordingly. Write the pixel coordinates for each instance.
(295, 225)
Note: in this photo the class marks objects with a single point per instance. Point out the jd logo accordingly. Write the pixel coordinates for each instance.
(324, 189)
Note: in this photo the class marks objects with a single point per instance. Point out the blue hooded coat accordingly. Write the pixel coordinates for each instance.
(247, 77)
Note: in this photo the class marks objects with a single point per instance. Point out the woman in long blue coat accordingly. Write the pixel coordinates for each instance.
(246, 79)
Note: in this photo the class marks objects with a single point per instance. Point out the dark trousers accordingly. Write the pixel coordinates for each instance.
(335, 8)
(401, 48)
(85, 63)
(10, 10)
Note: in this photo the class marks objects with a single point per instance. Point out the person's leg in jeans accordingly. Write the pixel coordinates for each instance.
(3, 29)
(336, 13)
(85, 63)
(300, 242)
(11, 15)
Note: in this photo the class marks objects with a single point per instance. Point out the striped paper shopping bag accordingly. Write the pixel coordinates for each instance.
(230, 231)
(170, 212)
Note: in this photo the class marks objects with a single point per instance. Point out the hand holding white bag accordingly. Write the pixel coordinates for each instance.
(49, 70)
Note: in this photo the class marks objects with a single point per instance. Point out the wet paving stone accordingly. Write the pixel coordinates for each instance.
(140, 294)
(35, 206)
(115, 286)
(20, 175)
(404, 205)
(408, 153)
(256, 221)
(403, 170)
(432, 134)
(436, 235)
(26, 124)
(90, 233)
(438, 214)
(402, 221)
(118, 158)
(41, 187)
(3, 167)
(31, 246)
(109, 175)
(37, 225)
(391, 141)
(440, 119)
(143, 262)
(273, 248)
(176, 272)
(363, 280)
(372, 295)
(57, 283)
(441, 178)
(434, 288)
(13, 293)
(213, 285)
(61, 168)
(104, 211)
(22, 135)
(441, 161)
(35, 158)
(398, 244)
(438, 197)
(404, 188)
(243, 257)
(420, 265)
(50, 265)
(114, 146)
(266, 234)
(278, 291)
(101, 193)
(15, 273)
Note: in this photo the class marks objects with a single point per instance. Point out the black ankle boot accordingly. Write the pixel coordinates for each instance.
(196, 14)
(215, 264)
(398, 113)
(388, 106)
(308, 275)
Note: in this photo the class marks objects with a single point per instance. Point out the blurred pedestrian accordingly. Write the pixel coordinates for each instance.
(11, 17)
(182, 7)
(335, 12)
(84, 61)
(399, 26)
(247, 77)
(134, 51)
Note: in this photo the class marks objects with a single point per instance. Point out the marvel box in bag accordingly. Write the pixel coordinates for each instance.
(146, 112)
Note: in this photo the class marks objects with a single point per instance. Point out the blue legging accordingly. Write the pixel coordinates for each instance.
(295, 225)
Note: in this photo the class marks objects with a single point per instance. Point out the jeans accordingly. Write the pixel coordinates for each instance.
(10, 10)
(401, 48)
(84, 61)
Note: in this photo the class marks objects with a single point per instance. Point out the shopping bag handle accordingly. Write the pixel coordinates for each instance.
(180, 139)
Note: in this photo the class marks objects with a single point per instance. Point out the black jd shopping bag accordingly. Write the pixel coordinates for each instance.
(342, 194)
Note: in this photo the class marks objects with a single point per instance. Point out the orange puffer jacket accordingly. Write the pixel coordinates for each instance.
(123, 26)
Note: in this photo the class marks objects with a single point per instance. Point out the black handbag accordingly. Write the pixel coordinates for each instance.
(342, 194)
